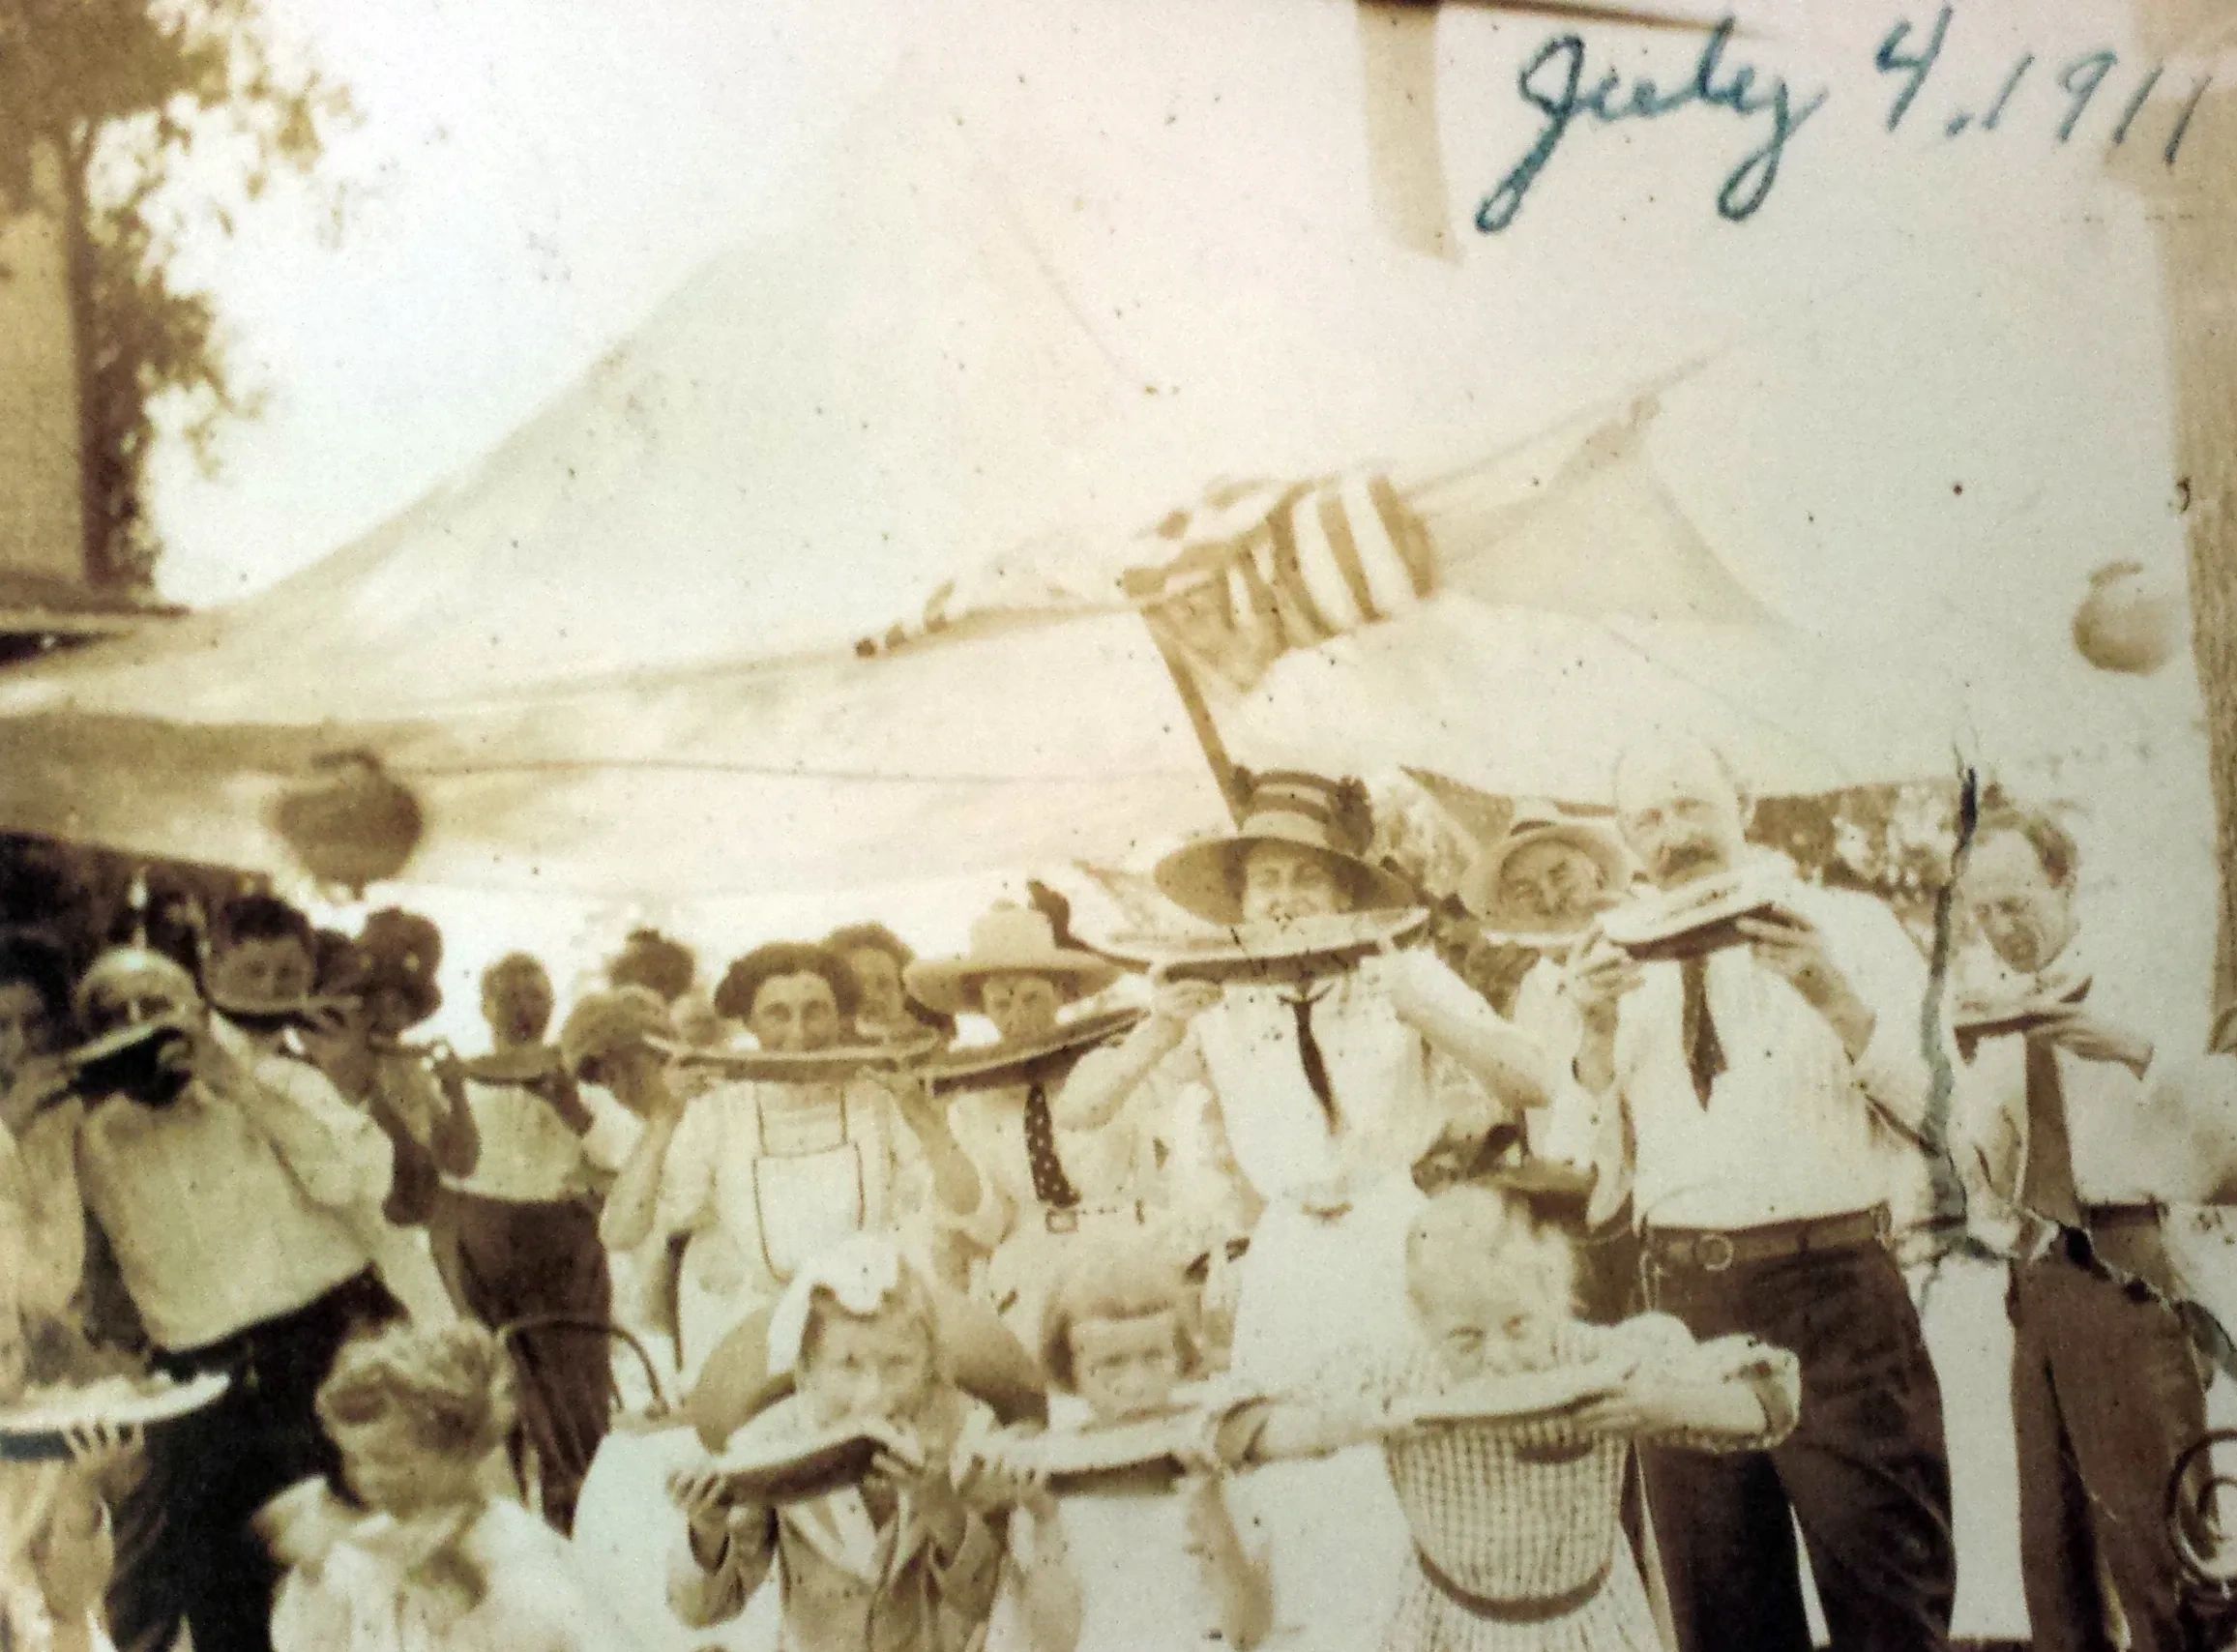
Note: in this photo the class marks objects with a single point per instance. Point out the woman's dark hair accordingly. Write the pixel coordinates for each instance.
(870, 937)
(660, 965)
(262, 918)
(742, 981)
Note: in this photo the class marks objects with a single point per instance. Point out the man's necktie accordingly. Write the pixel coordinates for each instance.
(1051, 1185)
(1704, 1053)
(2046, 1186)
(1310, 1057)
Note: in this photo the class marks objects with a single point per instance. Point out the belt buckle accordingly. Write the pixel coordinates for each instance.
(1062, 1219)
(1713, 1252)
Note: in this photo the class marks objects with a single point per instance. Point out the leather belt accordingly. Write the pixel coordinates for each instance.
(2097, 1216)
(1544, 1608)
(2128, 1237)
(1713, 1251)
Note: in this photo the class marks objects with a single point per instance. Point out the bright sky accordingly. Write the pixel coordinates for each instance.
(530, 178)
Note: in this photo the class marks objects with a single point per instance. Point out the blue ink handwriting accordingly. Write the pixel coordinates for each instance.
(1911, 54)
(1552, 82)
(1565, 89)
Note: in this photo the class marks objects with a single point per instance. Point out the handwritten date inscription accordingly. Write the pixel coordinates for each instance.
(1558, 82)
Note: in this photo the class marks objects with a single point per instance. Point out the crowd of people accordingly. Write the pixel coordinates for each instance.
(1579, 1313)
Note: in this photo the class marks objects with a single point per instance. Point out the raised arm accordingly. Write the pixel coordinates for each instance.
(336, 1153)
(1729, 1394)
(1285, 1429)
(956, 1181)
(1105, 1080)
(1849, 959)
(645, 1191)
(1452, 1019)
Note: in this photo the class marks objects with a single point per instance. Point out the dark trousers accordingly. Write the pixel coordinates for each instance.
(2105, 1396)
(505, 1262)
(1866, 1472)
(186, 1549)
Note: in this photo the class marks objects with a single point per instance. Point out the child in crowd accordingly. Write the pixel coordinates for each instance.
(1516, 1523)
(422, 1545)
(1158, 1557)
(908, 1561)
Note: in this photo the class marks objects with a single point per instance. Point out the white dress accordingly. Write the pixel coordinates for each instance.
(1309, 1280)
(1139, 1581)
(489, 1579)
(761, 1176)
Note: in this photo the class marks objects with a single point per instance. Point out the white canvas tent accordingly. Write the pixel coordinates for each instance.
(616, 657)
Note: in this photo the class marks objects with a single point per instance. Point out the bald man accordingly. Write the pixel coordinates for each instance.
(1769, 1098)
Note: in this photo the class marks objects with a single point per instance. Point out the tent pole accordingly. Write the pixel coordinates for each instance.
(1214, 749)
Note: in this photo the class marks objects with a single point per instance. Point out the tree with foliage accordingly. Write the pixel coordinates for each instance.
(141, 122)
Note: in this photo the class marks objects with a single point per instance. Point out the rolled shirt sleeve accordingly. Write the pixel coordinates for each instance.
(686, 1200)
(1771, 1374)
(614, 1130)
(1433, 984)
(338, 1155)
(915, 1196)
(1894, 1070)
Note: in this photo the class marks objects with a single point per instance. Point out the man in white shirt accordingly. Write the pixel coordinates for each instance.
(2069, 1135)
(1767, 1094)
(229, 1207)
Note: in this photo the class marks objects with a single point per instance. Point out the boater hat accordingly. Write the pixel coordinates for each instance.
(1479, 890)
(1330, 819)
(1008, 941)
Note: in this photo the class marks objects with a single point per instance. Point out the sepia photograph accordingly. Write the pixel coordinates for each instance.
(1116, 825)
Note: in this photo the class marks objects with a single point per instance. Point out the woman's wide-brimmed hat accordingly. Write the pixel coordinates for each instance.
(1480, 888)
(1008, 941)
(1332, 819)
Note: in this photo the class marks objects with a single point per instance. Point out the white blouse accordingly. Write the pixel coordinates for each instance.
(1393, 1094)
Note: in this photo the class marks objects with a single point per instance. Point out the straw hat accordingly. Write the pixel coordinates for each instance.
(1008, 941)
(607, 1024)
(1330, 819)
(1480, 885)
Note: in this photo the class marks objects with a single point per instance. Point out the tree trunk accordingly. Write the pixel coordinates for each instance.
(84, 335)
